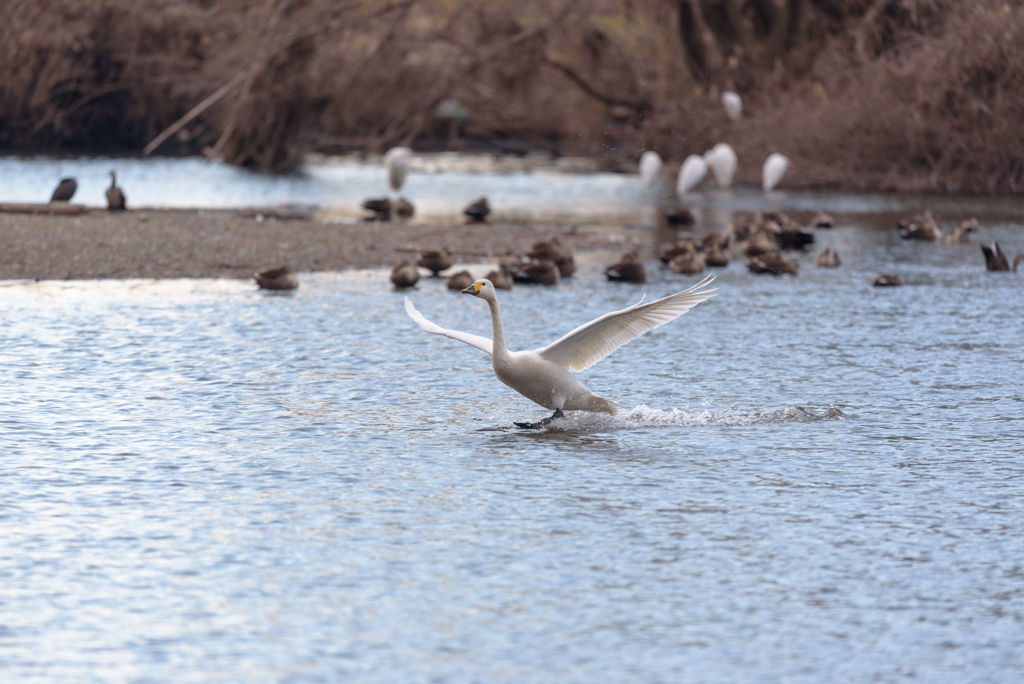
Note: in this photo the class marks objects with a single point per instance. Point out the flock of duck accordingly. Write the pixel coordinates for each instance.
(543, 264)
(762, 238)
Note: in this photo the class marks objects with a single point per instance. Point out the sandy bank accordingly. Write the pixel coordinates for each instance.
(177, 244)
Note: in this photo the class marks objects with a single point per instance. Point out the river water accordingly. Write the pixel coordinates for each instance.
(810, 480)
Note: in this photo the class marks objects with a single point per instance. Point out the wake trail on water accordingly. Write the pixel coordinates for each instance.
(644, 416)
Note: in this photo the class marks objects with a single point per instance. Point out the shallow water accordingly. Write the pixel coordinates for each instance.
(810, 480)
(440, 185)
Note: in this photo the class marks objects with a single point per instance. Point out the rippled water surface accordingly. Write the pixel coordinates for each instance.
(810, 480)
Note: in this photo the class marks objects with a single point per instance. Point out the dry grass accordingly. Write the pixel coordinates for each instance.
(867, 94)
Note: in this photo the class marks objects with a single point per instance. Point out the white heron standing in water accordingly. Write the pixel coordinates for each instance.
(542, 375)
(396, 161)
(650, 167)
(774, 169)
(722, 160)
(733, 105)
(691, 173)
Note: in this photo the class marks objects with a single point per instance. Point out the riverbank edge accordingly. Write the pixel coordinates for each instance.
(180, 243)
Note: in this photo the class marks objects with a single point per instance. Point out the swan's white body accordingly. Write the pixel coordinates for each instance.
(396, 161)
(733, 105)
(650, 167)
(774, 169)
(691, 173)
(542, 375)
(722, 160)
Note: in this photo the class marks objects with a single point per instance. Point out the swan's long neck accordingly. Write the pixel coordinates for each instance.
(498, 333)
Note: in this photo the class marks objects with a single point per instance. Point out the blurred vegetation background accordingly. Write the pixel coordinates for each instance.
(861, 94)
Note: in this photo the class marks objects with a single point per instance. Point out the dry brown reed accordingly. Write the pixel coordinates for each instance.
(865, 94)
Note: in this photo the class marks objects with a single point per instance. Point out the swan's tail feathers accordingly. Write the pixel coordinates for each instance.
(601, 405)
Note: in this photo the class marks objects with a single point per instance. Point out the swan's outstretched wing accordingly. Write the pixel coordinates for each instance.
(591, 342)
(481, 343)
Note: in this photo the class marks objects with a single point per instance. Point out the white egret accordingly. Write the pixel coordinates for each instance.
(722, 160)
(396, 161)
(691, 173)
(774, 169)
(542, 375)
(650, 167)
(733, 105)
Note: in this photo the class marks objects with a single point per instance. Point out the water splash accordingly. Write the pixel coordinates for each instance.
(644, 416)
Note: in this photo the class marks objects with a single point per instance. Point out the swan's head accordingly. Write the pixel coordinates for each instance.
(481, 288)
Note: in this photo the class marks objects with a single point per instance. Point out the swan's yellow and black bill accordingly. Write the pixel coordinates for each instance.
(473, 289)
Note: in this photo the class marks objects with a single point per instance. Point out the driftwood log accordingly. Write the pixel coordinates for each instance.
(62, 208)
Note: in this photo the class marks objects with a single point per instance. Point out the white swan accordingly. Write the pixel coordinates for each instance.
(722, 160)
(691, 173)
(542, 375)
(774, 169)
(650, 167)
(733, 105)
(396, 161)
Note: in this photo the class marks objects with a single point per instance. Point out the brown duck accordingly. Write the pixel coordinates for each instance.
(115, 197)
(405, 274)
(675, 217)
(543, 272)
(65, 190)
(923, 226)
(688, 263)
(478, 211)
(436, 261)
(773, 263)
(822, 220)
(961, 235)
(995, 260)
(829, 258)
(404, 208)
(888, 281)
(630, 269)
(554, 250)
(460, 281)
(500, 278)
(282, 278)
(381, 209)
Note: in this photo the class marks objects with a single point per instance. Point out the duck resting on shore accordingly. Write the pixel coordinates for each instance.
(543, 375)
(478, 211)
(115, 198)
(436, 261)
(65, 190)
(404, 275)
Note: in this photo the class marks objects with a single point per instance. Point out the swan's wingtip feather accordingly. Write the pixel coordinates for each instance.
(410, 308)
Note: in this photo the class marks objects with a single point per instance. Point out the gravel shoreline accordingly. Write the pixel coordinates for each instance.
(225, 244)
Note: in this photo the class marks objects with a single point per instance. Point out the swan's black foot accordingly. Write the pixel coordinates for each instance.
(544, 423)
